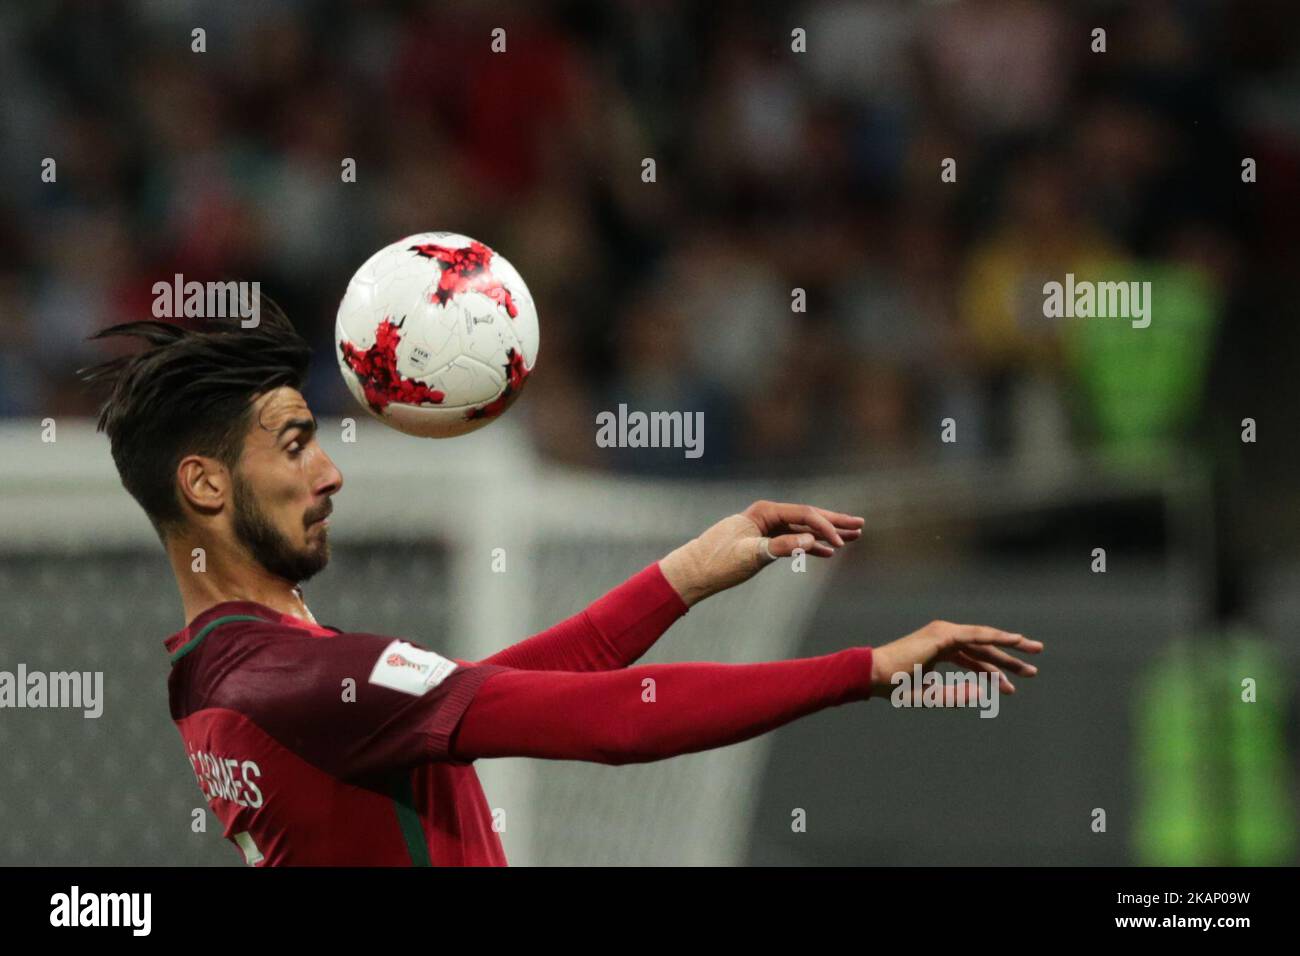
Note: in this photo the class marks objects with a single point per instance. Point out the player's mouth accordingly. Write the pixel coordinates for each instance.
(324, 518)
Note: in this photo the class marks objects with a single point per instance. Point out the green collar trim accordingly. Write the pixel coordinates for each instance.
(197, 639)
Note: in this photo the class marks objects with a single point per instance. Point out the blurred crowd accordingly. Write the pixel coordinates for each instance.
(799, 270)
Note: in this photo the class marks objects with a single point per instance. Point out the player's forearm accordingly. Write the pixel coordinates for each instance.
(652, 711)
(613, 632)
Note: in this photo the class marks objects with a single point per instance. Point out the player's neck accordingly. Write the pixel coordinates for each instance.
(231, 577)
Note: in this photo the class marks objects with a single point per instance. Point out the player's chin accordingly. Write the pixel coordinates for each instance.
(319, 549)
(316, 547)
(313, 558)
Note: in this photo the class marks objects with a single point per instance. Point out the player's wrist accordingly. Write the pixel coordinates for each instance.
(882, 672)
(683, 571)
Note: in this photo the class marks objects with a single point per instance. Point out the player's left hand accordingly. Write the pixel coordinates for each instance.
(738, 547)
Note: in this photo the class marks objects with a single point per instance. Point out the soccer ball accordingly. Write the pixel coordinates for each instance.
(436, 334)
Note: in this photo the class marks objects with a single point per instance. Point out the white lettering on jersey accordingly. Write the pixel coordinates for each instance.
(226, 778)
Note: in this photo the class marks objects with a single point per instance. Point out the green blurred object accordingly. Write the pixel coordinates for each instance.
(1176, 824)
(1213, 768)
(1264, 822)
(1140, 387)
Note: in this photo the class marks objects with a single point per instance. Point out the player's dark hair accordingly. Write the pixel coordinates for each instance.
(189, 392)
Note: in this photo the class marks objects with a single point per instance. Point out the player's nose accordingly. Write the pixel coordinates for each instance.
(330, 479)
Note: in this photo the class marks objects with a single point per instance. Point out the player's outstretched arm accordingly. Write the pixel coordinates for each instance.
(651, 711)
(664, 710)
(612, 632)
(616, 630)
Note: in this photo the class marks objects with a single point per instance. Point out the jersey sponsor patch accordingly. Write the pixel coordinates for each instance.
(410, 669)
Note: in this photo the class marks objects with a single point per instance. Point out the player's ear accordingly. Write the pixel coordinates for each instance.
(204, 483)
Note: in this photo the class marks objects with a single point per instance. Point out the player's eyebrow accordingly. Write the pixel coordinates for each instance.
(308, 426)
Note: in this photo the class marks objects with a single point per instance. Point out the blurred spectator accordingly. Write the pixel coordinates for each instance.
(777, 171)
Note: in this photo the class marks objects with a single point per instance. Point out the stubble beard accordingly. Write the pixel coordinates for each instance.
(268, 546)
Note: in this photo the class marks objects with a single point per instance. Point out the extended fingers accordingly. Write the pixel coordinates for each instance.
(792, 526)
(988, 652)
(831, 526)
(841, 520)
(967, 660)
(812, 519)
(848, 534)
(977, 634)
(791, 513)
(784, 545)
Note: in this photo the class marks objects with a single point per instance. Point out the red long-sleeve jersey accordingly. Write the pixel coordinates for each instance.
(319, 747)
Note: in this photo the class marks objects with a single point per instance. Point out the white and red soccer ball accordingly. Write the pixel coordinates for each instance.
(436, 334)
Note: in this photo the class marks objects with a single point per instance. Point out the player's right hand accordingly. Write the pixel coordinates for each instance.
(736, 548)
(970, 645)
